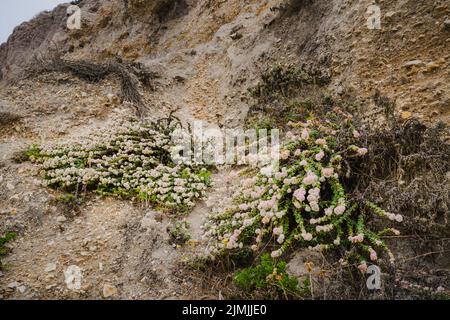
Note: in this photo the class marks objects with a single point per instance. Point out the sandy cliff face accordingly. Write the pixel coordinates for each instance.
(219, 47)
(207, 53)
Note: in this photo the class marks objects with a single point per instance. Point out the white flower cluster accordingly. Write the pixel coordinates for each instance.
(304, 203)
(132, 158)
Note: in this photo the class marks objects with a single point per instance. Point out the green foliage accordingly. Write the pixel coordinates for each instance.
(32, 153)
(4, 250)
(66, 198)
(7, 238)
(265, 123)
(270, 275)
(179, 233)
(205, 175)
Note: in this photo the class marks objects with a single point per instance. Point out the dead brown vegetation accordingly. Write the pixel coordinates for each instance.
(132, 75)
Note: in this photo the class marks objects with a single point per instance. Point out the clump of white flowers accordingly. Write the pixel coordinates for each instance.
(133, 159)
(303, 203)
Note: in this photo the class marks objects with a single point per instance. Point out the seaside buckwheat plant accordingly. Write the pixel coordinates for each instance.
(304, 203)
(132, 159)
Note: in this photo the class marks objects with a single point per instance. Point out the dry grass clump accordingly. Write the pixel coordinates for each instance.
(407, 171)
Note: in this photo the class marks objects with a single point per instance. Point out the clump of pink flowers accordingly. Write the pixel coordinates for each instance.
(356, 239)
(303, 203)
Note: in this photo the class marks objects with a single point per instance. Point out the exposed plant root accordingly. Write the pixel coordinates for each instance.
(132, 75)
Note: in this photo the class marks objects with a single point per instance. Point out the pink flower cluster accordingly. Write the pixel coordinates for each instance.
(340, 209)
(268, 205)
(276, 253)
(310, 179)
(357, 238)
(313, 199)
(373, 254)
(305, 134)
(299, 194)
(363, 267)
(361, 151)
(327, 172)
(394, 217)
(277, 231)
(284, 154)
(325, 228)
(307, 236)
(321, 142)
(319, 156)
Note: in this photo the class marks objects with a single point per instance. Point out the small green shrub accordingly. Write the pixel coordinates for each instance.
(31, 153)
(4, 250)
(179, 233)
(270, 275)
(265, 123)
